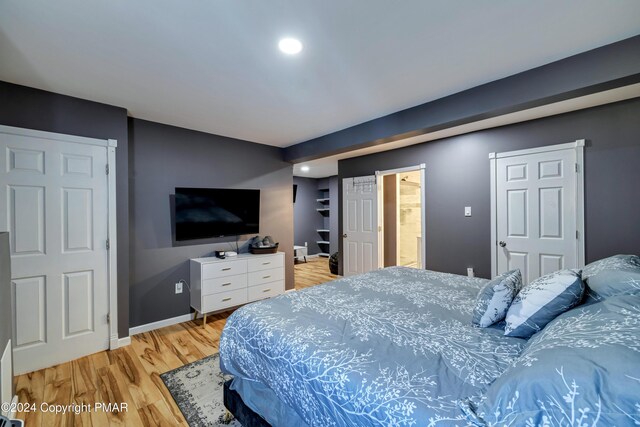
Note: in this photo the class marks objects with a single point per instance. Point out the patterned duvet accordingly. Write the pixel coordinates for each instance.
(392, 347)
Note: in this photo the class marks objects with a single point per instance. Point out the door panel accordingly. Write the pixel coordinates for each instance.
(550, 212)
(78, 303)
(517, 213)
(360, 224)
(536, 214)
(57, 207)
(26, 219)
(29, 302)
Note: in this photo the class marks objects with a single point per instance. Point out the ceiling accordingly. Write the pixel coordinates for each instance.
(214, 66)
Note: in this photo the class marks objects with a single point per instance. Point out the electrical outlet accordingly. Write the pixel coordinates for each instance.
(470, 272)
(178, 287)
(305, 243)
(467, 211)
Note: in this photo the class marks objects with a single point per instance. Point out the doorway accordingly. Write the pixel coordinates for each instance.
(401, 217)
(60, 214)
(537, 210)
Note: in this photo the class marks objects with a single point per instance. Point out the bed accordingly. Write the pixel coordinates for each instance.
(395, 347)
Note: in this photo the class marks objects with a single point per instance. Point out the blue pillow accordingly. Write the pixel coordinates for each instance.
(616, 275)
(541, 301)
(582, 370)
(495, 298)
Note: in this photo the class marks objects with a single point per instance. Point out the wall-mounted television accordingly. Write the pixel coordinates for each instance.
(202, 213)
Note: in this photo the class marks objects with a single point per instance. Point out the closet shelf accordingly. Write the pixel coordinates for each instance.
(323, 242)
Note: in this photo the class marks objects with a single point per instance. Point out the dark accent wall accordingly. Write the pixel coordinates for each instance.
(457, 175)
(607, 67)
(30, 108)
(163, 157)
(306, 218)
(6, 317)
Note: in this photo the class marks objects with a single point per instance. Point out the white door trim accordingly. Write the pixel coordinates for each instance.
(112, 267)
(423, 201)
(578, 146)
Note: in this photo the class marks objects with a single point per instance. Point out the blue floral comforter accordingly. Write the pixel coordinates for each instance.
(393, 347)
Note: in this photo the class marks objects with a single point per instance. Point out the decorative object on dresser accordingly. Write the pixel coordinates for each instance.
(218, 284)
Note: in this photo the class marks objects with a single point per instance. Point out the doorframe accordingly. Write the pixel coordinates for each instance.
(112, 253)
(380, 205)
(577, 145)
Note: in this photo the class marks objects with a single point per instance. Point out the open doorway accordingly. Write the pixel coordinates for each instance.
(401, 217)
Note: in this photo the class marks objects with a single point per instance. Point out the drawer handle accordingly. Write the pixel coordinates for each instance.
(266, 263)
(265, 277)
(266, 290)
(226, 299)
(226, 269)
(226, 284)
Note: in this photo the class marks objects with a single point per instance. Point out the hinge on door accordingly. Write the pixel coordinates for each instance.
(108, 244)
(106, 169)
(577, 168)
(108, 318)
(577, 234)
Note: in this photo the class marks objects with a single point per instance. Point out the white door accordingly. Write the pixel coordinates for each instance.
(537, 212)
(359, 225)
(55, 207)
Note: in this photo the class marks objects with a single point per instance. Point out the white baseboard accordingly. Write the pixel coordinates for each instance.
(115, 342)
(159, 324)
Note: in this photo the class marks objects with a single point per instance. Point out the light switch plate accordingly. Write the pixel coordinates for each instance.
(470, 272)
(467, 211)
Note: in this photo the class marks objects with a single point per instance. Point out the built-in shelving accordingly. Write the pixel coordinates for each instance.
(324, 209)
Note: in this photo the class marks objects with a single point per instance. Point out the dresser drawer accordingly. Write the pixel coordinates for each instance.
(224, 284)
(214, 302)
(222, 269)
(266, 291)
(265, 262)
(265, 276)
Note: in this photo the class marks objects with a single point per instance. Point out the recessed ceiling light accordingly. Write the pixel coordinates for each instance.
(304, 168)
(290, 46)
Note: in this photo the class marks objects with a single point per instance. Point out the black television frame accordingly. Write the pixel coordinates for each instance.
(184, 235)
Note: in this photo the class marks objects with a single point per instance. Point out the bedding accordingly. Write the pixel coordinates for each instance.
(615, 275)
(583, 369)
(495, 298)
(539, 302)
(390, 347)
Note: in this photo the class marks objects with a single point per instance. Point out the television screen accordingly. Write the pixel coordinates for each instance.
(202, 213)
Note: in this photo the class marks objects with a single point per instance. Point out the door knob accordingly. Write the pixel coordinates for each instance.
(344, 235)
(502, 244)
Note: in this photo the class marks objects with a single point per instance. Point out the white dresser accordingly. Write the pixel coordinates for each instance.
(217, 284)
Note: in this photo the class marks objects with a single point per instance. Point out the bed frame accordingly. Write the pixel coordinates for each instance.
(234, 404)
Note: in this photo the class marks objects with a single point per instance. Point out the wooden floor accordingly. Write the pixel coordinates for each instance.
(132, 374)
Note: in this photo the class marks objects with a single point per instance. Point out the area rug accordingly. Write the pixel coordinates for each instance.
(197, 388)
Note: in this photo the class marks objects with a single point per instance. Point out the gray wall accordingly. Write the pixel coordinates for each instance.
(5, 292)
(163, 157)
(25, 107)
(457, 175)
(306, 218)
